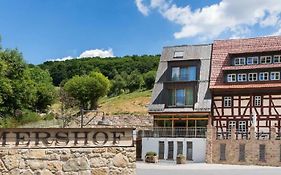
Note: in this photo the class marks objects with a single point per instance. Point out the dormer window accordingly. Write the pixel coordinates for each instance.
(265, 59)
(252, 60)
(252, 76)
(178, 54)
(274, 75)
(277, 59)
(239, 61)
(231, 77)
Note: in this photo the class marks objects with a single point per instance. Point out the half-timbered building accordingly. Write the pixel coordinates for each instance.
(245, 84)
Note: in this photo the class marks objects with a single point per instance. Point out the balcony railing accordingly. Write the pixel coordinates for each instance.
(191, 132)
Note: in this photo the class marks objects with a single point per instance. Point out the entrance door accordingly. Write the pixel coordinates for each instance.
(188, 150)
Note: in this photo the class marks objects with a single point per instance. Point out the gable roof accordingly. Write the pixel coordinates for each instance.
(220, 59)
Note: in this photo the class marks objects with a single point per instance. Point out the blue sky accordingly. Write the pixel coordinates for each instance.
(54, 29)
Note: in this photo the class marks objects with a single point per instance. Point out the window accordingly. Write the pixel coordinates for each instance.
(242, 126)
(161, 150)
(263, 76)
(170, 150)
(227, 101)
(180, 97)
(180, 148)
(184, 73)
(231, 77)
(242, 77)
(175, 73)
(231, 124)
(277, 59)
(188, 150)
(242, 152)
(257, 101)
(262, 152)
(274, 75)
(252, 76)
(239, 61)
(178, 54)
(252, 60)
(222, 151)
(265, 59)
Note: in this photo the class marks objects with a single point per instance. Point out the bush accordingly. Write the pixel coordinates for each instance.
(149, 79)
(151, 153)
(27, 117)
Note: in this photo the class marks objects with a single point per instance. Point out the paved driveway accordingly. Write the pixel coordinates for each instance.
(170, 168)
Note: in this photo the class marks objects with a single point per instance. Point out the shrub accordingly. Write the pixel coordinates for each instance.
(151, 153)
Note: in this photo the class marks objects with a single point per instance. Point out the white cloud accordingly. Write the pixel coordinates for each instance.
(97, 53)
(89, 53)
(141, 7)
(233, 17)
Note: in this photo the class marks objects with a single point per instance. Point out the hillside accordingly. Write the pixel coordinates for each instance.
(132, 103)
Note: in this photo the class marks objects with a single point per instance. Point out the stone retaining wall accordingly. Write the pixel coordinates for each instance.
(252, 149)
(68, 161)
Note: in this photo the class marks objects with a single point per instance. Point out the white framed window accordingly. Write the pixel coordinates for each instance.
(239, 61)
(231, 77)
(257, 101)
(242, 77)
(274, 75)
(242, 126)
(265, 59)
(231, 124)
(252, 77)
(277, 59)
(227, 101)
(253, 60)
(263, 76)
(178, 54)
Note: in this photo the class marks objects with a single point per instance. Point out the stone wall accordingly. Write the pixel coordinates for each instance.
(68, 161)
(252, 149)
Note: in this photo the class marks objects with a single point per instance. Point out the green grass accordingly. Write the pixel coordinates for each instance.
(131, 103)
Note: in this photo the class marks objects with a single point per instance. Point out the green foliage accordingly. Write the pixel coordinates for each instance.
(22, 88)
(135, 81)
(151, 153)
(87, 89)
(149, 79)
(110, 67)
(118, 85)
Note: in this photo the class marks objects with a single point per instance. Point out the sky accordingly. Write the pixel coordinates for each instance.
(65, 29)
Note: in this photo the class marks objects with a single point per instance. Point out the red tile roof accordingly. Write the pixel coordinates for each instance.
(221, 50)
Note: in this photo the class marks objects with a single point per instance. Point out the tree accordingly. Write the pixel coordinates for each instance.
(87, 89)
(45, 91)
(135, 81)
(149, 79)
(118, 85)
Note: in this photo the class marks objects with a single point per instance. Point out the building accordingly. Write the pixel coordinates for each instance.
(181, 104)
(246, 102)
(246, 86)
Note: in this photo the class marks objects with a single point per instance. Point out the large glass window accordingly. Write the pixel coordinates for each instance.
(180, 97)
(175, 73)
(191, 71)
(180, 100)
(184, 73)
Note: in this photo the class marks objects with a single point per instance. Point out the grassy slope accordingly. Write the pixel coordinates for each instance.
(132, 103)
